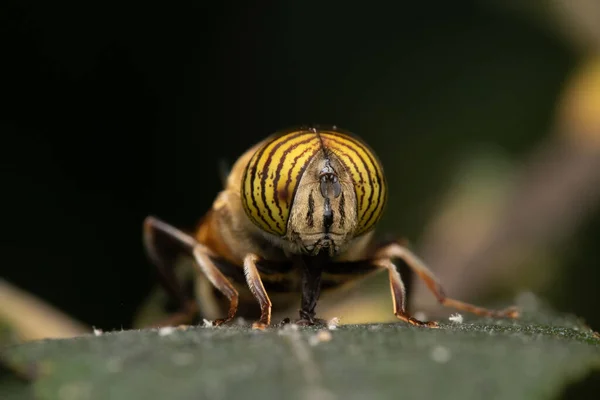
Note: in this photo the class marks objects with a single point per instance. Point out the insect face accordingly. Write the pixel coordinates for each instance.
(323, 216)
(312, 190)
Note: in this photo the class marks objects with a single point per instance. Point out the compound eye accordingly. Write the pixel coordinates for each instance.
(271, 178)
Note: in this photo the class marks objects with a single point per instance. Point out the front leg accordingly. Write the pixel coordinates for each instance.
(258, 290)
(399, 294)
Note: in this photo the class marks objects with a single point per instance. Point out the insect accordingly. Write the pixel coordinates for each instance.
(296, 217)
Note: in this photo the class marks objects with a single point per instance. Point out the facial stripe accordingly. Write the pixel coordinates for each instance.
(311, 210)
(327, 215)
(342, 210)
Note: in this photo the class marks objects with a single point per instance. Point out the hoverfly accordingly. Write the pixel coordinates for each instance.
(296, 216)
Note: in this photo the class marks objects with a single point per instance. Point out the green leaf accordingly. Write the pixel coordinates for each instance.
(533, 358)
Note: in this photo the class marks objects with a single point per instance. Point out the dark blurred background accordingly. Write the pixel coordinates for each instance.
(115, 111)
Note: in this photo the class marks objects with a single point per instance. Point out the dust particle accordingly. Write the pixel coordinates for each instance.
(457, 318)
(167, 330)
(333, 323)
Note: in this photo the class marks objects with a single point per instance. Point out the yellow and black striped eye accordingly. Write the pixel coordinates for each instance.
(274, 171)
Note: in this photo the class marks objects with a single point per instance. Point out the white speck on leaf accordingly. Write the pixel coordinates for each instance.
(167, 330)
(333, 323)
(457, 318)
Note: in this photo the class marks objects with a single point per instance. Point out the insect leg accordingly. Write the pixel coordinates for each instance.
(395, 250)
(151, 227)
(219, 281)
(258, 290)
(399, 294)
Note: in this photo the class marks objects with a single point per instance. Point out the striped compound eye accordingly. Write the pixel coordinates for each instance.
(274, 173)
